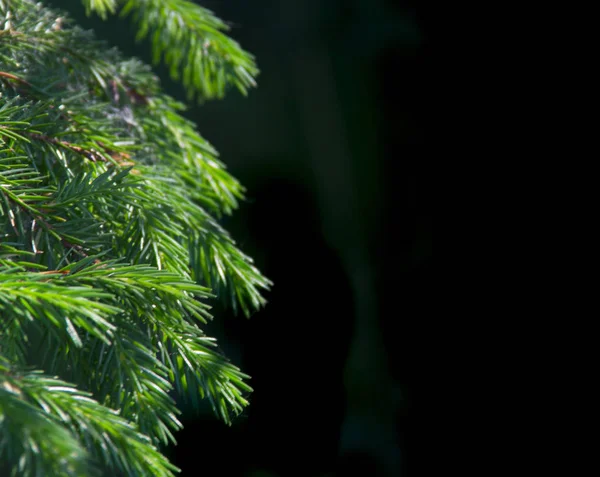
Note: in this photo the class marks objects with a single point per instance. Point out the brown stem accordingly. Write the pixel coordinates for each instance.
(4, 74)
(91, 155)
(76, 248)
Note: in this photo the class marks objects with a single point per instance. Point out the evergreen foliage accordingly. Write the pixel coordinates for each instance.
(110, 243)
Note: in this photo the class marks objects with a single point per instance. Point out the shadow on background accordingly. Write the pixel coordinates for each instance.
(331, 148)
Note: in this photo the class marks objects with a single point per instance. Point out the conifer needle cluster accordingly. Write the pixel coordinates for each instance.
(111, 247)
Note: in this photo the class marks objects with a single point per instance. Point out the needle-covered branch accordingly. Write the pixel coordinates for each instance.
(111, 248)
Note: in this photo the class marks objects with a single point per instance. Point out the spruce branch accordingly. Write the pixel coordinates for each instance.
(110, 243)
(192, 42)
(101, 7)
(53, 419)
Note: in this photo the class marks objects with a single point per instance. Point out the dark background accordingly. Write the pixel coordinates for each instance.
(331, 148)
